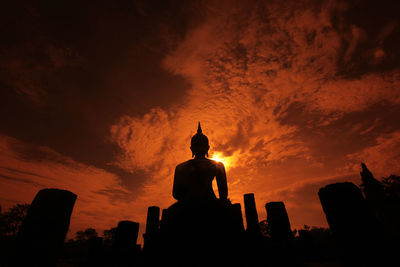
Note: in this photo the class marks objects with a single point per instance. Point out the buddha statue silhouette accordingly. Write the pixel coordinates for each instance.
(193, 178)
(199, 230)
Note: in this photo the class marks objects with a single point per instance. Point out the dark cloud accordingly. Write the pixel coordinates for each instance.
(70, 69)
(344, 134)
(27, 181)
(115, 195)
(23, 172)
(377, 26)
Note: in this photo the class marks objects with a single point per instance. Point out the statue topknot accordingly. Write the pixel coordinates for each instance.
(199, 142)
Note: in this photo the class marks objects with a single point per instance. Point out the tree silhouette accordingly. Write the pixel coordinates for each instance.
(86, 235)
(264, 229)
(11, 220)
(109, 235)
(391, 185)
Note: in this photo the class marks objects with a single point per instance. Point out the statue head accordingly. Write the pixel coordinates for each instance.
(199, 143)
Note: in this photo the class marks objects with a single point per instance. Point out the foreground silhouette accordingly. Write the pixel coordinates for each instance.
(42, 233)
(200, 226)
(203, 230)
(193, 178)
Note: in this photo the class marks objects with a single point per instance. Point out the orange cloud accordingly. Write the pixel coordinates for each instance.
(382, 158)
(102, 200)
(280, 89)
(247, 64)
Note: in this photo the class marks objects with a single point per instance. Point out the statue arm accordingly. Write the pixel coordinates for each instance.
(176, 190)
(221, 181)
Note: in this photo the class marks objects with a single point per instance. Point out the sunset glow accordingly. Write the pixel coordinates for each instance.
(291, 96)
(219, 157)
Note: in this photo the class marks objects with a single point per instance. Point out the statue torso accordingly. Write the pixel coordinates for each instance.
(193, 180)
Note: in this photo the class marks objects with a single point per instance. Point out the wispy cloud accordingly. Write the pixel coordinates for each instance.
(248, 65)
(382, 158)
(99, 192)
(293, 94)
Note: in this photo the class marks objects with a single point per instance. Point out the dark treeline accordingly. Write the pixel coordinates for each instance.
(364, 230)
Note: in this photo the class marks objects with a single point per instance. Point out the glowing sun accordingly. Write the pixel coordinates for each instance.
(220, 158)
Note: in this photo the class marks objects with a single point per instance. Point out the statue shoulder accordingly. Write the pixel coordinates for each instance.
(217, 164)
(184, 165)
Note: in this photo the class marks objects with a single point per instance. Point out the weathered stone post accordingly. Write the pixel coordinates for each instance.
(345, 210)
(153, 220)
(253, 226)
(284, 253)
(237, 217)
(126, 250)
(151, 237)
(278, 222)
(163, 218)
(350, 221)
(42, 233)
(127, 234)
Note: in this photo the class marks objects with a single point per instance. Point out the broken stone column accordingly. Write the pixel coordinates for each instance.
(163, 218)
(153, 219)
(127, 234)
(152, 237)
(237, 217)
(253, 226)
(126, 250)
(42, 233)
(345, 209)
(152, 226)
(350, 220)
(281, 235)
(278, 221)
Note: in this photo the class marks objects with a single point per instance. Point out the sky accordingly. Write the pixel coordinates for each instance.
(102, 97)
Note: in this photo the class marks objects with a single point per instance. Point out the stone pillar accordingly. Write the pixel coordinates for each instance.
(350, 220)
(152, 227)
(126, 251)
(345, 209)
(152, 238)
(127, 234)
(42, 233)
(278, 221)
(153, 219)
(253, 226)
(163, 218)
(237, 217)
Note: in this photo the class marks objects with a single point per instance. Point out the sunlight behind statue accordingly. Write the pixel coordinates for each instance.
(193, 178)
(199, 225)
